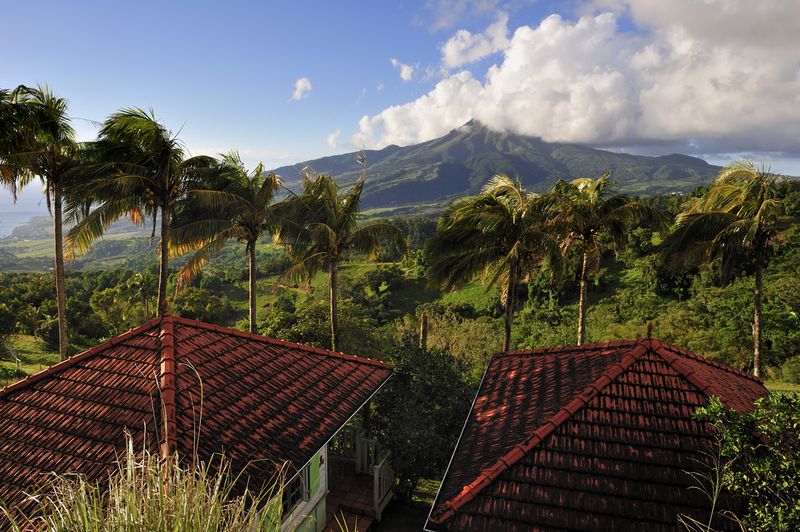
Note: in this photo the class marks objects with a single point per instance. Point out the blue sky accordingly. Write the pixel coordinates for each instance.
(704, 78)
(223, 73)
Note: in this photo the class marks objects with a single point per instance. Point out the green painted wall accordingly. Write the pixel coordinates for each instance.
(315, 522)
(313, 475)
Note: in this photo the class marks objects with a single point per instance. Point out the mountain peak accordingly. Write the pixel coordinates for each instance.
(471, 126)
(433, 172)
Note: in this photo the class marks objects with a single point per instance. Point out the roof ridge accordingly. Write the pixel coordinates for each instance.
(714, 363)
(672, 355)
(569, 349)
(167, 385)
(74, 359)
(490, 474)
(275, 341)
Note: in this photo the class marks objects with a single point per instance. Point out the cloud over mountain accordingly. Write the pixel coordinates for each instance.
(718, 76)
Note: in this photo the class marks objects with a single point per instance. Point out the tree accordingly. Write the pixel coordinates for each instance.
(40, 142)
(140, 170)
(584, 214)
(500, 234)
(420, 413)
(236, 206)
(735, 222)
(320, 227)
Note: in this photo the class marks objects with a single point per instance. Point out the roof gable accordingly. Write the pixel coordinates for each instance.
(260, 401)
(621, 442)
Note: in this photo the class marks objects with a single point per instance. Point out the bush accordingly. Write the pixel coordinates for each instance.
(760, 453)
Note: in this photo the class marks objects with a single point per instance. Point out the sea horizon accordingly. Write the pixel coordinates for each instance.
(30, 203)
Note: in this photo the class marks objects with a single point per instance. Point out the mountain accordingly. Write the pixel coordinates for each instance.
(461, 162)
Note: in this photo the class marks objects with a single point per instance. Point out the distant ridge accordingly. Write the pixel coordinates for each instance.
(463, 160)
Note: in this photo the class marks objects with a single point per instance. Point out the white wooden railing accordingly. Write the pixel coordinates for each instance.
(351, 442)
(383, 480)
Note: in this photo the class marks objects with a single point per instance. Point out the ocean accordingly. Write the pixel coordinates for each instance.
(30, 203)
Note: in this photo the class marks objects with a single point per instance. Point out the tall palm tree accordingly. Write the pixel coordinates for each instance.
(585, 215)
(499, 234)
(41, 143)
(140, 171)
(320, 227)
(235, 206)
(736, 222)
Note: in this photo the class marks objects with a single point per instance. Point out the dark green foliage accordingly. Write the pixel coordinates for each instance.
(8, 321)
(306, 324)
(761, 457)
(47, 332)
(790, 371)
(201, 304)
(420, 412)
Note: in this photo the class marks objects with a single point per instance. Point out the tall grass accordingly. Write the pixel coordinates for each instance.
(147, 493)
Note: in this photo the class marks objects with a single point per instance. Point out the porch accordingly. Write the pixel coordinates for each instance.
(360, 481)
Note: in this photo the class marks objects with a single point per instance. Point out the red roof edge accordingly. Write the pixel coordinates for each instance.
(670, 354)
(490, 474)
(74, 359)
(167, 386)
(283, 343)
(566, 349)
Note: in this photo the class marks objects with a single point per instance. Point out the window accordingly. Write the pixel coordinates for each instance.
(295, 492)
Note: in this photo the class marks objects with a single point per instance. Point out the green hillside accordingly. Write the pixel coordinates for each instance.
(462, 161)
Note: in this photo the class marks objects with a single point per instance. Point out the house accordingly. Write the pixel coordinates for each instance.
(180, 385)
(598, 437)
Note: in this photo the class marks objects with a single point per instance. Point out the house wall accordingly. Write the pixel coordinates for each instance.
(310, 516)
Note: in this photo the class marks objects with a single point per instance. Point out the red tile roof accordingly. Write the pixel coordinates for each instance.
(260, 401)
(597, 437)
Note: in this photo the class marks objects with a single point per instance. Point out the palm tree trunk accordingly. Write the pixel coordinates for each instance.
(163, 263)
(333, 277)
(61, 300)
(251, 252)
(583, 300)
(509, 304)
(146, 306)
(757, 297)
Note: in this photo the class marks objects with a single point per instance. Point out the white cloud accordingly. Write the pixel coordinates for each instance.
(693, 73)
(302, 88)
(465, 47)
(380, 87)
(406, 71)
(331, 139)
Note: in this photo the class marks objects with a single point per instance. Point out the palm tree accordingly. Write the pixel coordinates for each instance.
(584, 214)
(736, 221)
(40, 142)
(500, 235)
(141, 171)
(236, 206)
(320, 227)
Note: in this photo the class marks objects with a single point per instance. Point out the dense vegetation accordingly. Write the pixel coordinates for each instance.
(714, 272)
